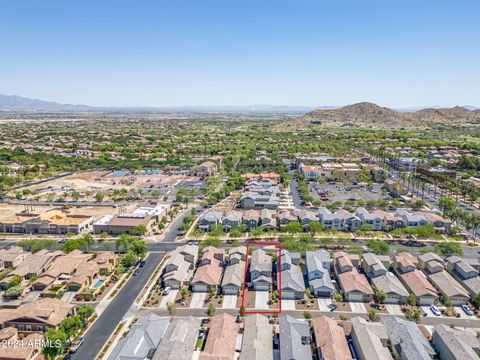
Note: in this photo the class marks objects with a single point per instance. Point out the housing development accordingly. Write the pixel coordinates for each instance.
(229, 240)
(239, 180)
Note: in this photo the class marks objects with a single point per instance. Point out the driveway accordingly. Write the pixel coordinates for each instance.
(394, 309)
(288, 304)
(198, 299)
(69, 296)
(428, 311)
(261, 300)
(170, 298)
(323, 304)
(229, 302)
(358, 307)
(460, 311)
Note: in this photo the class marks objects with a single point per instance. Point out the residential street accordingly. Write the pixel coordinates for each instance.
(98, 334)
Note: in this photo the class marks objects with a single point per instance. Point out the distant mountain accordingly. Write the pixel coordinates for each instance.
(19, 103)
(371, 115)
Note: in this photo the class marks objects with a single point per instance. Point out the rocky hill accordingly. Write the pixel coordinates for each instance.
(371, 115)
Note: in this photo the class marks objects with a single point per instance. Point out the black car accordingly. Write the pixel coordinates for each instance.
(136, 272)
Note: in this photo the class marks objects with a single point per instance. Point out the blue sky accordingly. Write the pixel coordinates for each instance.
(241, 52)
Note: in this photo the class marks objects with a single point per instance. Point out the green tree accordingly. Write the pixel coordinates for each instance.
(307, 315)
(378, 247)
(338, 297)
(55, 341)
(139, 230)
(70, 325)
(85, 312)
(129, 259)
(235, 233)
(14, 292)
(172, 308)
(211, 310)
(448, 302)
(99, 197)
(448, 248)
(373, 315)
(413, 315)
(293, 227)
(15, 281)
(381, 296)
(412, 300)
(315, 227)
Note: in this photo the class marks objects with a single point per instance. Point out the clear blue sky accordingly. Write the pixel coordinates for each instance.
(239, 52)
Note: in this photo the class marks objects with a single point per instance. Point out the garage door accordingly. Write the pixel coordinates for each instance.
(286, 294)
(228, 290)
(323, 294)
(392, 299)
(355, 297)
(200, 288)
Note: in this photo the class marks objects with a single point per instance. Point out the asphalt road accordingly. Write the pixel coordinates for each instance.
(296, 197)
(96, 337)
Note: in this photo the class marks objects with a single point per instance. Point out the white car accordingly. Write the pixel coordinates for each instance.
(167, 290)
(435, 310)
(467, 310)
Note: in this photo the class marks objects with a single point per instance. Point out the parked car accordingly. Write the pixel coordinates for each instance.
(435, 310)
(62, 241)
(167, 290)
(142, 263)
(467, 310)
(136, 272)
(76, 345)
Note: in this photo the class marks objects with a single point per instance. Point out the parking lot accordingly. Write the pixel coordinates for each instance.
(332, 192)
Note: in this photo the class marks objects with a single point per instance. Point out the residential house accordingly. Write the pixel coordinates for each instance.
(416, 282)
(330, 339)
(12, 257)
(295, 339)
(256, 200)
(306, 217)
(19, 347)
(370, 340)
(372, 265)
(293, 286)
(234, 273)
(231, 220)
(221, 339)
(106, 261)
(411, 220)
(142, 339)
(392, 287)
(35, 264)
(340, 220)
(207, 168)
(286, 217)
(268, 219)
(405, 262)
(36, 316)
(407, 341)
(84, 275)
(355, 286)
(379, 174)
(257, 341)
(440, 224)
(431, 263)
(374, 219)
(251, 218)
(179, 268)
(209, 272)
(240, 251)
(448, 287)
(464, 273)
(455, 344)
(318, 273)
(209, 219)
(179, 340)
(261, 270)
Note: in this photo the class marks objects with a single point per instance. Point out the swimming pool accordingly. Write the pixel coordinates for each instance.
(119, 173)
(98, 283)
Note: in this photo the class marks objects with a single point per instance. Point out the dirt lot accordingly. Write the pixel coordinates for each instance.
(341, 192)
(90, 182)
